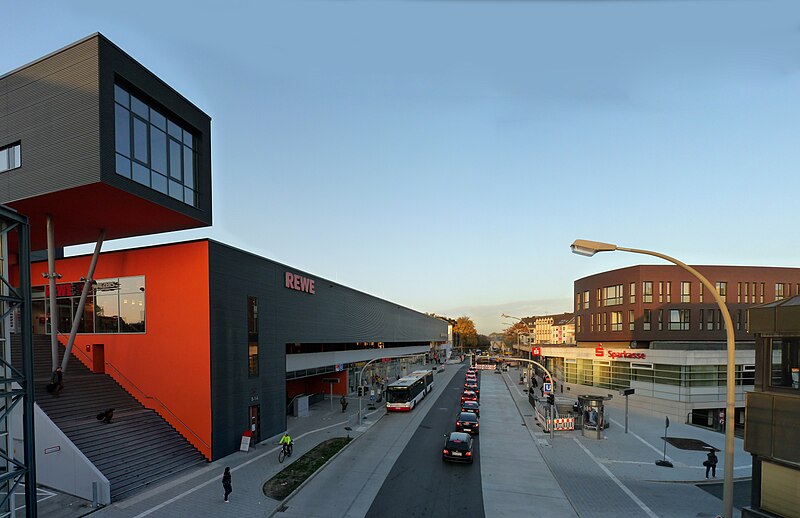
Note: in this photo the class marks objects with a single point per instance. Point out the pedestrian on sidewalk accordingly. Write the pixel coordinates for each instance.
(344, 403)
(226, 483)
(711, 464)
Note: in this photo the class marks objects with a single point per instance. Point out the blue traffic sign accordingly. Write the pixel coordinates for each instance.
(547, 387)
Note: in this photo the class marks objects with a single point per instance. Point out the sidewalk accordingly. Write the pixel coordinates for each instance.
(199, 492)
(618, 475)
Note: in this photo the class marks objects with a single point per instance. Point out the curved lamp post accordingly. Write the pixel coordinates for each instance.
(589, 248)
(530, 344)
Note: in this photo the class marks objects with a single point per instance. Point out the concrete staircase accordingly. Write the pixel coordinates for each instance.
(136, 449)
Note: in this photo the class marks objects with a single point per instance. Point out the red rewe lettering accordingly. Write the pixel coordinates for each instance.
(297, 282)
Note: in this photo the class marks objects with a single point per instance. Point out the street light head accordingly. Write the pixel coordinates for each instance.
(589, 248)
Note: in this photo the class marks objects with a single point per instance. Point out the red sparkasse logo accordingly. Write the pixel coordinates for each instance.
(598, 351)
(626, 354)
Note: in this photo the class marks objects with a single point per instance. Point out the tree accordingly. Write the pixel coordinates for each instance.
(465, 328)
(511, 332)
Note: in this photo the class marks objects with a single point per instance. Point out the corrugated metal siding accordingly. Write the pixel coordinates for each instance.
(334, 314)
(52, 107)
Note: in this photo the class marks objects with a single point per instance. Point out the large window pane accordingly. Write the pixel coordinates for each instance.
(176, 190)
(141, 174)
(140, 141)
(121, 96)
(158, 120)
(785, 363)
(139, 108)
(188, 167)
(174, 130)
(159, 182)
(131, 312)
(158, 150)
(174, 159)
(122, 130)
(107, 312)
(123, 166)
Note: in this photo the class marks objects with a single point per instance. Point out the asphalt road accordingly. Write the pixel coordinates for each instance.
(420, 484)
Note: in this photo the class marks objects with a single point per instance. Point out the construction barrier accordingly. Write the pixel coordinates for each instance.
(562, 423)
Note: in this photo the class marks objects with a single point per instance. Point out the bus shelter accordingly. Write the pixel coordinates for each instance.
(593, 412)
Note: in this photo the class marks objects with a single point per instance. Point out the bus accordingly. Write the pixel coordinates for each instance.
(405, 393)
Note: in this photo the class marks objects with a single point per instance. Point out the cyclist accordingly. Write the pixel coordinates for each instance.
(286, 442)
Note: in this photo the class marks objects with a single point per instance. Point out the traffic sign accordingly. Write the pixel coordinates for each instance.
(547, 387)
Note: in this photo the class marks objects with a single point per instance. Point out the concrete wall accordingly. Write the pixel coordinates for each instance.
(60, 465)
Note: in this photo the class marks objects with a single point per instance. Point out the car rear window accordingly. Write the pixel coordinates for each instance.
(458, 445)
(467, 416)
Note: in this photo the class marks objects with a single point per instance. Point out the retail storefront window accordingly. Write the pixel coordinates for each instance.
(667, 374)
(115, 305)
(785, 353)
(585, 372)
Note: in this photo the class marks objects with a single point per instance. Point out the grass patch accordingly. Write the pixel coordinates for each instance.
(281, 485)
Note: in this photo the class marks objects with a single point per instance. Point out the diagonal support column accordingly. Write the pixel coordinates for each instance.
(51, 275)
(87, 284)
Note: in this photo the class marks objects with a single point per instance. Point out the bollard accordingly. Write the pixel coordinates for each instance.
(94, 495)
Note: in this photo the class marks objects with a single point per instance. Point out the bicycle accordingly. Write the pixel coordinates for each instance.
(286, 451)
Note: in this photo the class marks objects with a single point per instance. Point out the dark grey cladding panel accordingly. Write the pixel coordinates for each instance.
(52, 107)
(333, 314)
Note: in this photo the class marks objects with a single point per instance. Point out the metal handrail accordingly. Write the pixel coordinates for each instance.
(146, 396)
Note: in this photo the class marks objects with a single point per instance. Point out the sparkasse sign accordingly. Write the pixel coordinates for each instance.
(600, 352)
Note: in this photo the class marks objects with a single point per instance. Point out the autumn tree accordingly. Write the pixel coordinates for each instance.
(467, 334)
(511, 332)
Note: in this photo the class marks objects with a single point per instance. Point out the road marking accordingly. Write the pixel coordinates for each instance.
(617, 481)
(660, 452)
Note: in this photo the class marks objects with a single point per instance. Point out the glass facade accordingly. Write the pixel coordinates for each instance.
(785, 353)
(153, 149)
(112, 306)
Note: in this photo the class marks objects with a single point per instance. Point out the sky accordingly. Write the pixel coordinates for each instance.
(444, 154)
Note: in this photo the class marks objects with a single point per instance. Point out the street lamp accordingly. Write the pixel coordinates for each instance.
(530, 343)
(589, 248)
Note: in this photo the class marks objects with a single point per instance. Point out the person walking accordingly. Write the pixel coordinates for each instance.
(343, 401)
(711, 464)
(226, 483)
(56, 382)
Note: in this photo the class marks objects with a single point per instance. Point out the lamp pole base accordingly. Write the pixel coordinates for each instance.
(664, 463)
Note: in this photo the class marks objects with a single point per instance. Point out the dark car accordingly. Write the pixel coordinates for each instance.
(471, 406)
(467, 422)
(457, 447)
(468, 395)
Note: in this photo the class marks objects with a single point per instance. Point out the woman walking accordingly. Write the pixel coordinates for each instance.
(226, 483)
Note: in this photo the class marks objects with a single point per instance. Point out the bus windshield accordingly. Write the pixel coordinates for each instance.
(397, 395)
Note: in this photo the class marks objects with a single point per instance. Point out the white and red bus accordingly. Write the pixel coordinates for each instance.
(405, 393)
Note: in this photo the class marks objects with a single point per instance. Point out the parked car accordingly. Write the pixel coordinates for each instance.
(457, 447)
(468, 395)
(467, 422)
(471, 406)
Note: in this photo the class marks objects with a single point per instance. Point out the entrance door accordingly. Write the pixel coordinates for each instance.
(255, 423)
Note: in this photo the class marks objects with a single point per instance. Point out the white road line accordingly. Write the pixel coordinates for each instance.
(660, 452)
(617, 481)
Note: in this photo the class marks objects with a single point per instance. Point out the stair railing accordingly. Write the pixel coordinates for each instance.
(144, 394)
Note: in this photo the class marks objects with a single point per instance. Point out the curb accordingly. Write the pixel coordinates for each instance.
(283, 502)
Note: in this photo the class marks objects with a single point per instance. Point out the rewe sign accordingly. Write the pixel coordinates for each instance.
(299, 283)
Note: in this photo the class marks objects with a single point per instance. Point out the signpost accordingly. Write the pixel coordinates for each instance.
(665, 463)
(626, 393)
(547, 387)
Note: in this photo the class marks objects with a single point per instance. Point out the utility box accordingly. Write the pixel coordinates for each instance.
(300, 406)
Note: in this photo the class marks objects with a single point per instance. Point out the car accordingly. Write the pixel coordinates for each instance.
(471, 406)
(467, 422)
(470, 379)
(468, 395)
(473, 387)
(457, 447)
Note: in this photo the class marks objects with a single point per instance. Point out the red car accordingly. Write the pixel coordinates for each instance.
(468, 395)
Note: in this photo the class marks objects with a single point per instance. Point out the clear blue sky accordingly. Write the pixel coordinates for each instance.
(444, 154)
